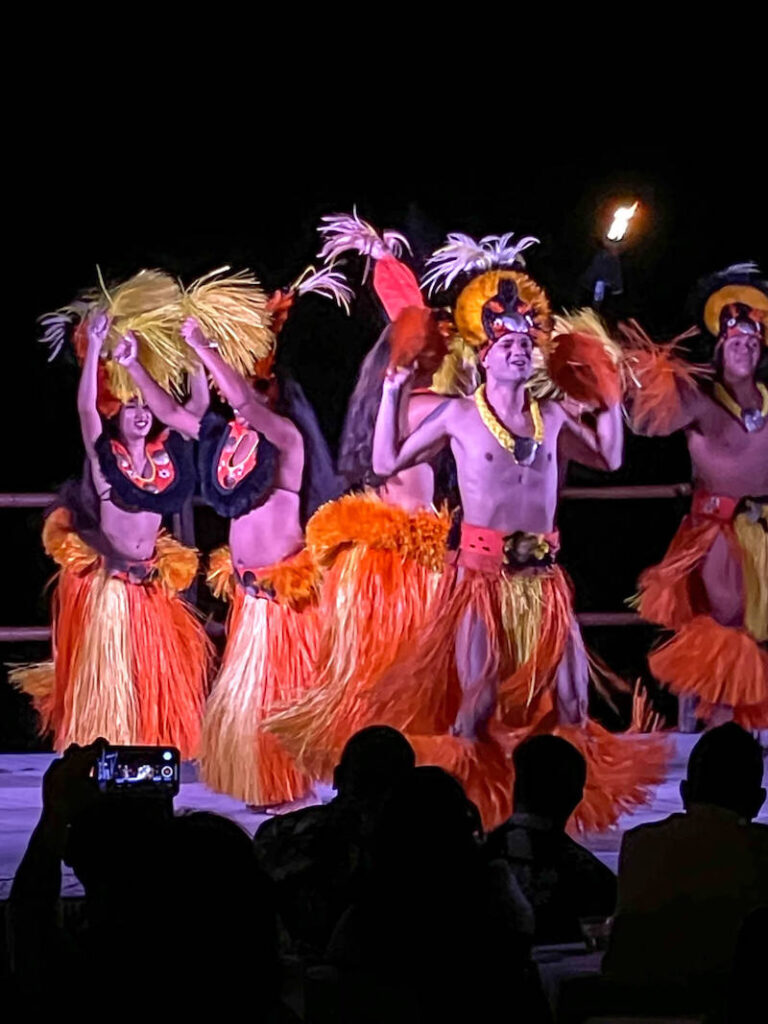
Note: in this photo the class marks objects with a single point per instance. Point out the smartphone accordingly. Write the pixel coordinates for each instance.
(147, 771)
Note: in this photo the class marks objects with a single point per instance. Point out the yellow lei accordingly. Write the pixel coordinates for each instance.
(505, 437)
(733, 406)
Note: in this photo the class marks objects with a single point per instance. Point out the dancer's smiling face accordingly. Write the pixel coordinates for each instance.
(510, 358)
(135, 420)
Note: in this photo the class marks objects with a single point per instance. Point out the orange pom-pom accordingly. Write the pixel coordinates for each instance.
(586, 371)
(416, 338)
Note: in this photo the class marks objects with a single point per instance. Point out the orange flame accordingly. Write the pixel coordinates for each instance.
(620, 223)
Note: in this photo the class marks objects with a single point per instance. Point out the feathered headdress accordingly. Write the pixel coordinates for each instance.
(344, 232)
(328, 282)
(741, 284)
(463, 255)
(495, 292)
(148, 305)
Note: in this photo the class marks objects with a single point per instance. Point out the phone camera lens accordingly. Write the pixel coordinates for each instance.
(166, 771)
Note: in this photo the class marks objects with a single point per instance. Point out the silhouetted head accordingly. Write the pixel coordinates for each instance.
(549, 778)
(726, 769)
(427, 828)
(372, 762)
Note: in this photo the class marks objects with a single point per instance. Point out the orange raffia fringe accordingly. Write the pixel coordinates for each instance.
(668, 592)
(583, 360)
(528, 621)
(483, 768)
(294, 581)
(656, 378)
(269, 659)
(130, 661)
(620, 772)
(671, 593)
(381, 575)
(364, 520)
(719, 664)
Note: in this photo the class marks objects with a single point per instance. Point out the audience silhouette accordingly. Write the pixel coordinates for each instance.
(561, 879)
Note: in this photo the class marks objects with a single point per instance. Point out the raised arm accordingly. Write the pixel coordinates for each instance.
(390, 455)
(199, 395)
(162, 405)
(88, 389)
(601, 446)
(238, 392)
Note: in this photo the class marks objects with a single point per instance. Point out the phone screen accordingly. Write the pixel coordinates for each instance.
(139, 770)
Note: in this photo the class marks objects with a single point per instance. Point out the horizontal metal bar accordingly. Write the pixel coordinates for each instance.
(611, 619)
(629, 492)
(17, 634)
(43, 499)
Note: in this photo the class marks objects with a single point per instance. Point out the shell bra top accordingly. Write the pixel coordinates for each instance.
(232, 490)
(171, 479)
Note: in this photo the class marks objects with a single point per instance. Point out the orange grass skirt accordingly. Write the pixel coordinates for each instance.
(529, 620)
(382, 570)
(131, 661)
(269, 660)
(716, 663)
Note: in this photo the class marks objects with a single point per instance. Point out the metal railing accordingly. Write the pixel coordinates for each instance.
(184, 528)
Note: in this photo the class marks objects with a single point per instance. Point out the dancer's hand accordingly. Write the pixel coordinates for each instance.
(192, 333)
(98, 325)
(69, 786)
(127, 350)
(397, 376)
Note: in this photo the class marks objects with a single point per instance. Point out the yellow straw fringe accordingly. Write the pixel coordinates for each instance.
(233, 312)
(149, 304)
(103, 697)
(176, 564)
(753, 541)
(37, 680)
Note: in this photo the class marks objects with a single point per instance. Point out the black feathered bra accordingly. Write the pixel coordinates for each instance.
(232, 489)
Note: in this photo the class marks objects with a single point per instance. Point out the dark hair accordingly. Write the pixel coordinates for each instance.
(320, 482)
(372, 761)
(549, 776)
(356, 446)
(726, 769)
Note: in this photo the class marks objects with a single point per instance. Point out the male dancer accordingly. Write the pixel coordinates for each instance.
(501, 650)
(712, 585)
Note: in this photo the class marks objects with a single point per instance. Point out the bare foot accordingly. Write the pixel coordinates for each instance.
(308, 800)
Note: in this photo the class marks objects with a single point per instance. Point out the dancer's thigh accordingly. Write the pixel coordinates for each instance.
(722, 579)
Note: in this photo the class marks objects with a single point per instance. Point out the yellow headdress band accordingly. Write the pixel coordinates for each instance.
(468, 313)
(745, 293)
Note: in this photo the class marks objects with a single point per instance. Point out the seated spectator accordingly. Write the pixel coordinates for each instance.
(688, 883)
(561, 879)
(314, 855)
(161, 893)
(436, 933)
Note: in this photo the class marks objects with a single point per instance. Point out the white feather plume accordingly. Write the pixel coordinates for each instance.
(345, 232)
(58, 325)
(462, 254)
(740, 268)
(328, 281)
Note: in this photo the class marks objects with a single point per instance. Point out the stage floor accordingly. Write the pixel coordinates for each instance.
(21, 777)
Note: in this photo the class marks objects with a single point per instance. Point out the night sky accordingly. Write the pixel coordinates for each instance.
(190, 211)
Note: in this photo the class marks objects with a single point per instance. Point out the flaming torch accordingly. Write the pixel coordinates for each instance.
(622, 215)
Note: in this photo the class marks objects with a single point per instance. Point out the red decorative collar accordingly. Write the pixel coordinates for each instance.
(239, 434)
(162, 470)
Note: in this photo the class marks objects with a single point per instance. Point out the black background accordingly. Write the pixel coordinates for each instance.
(131, 183)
